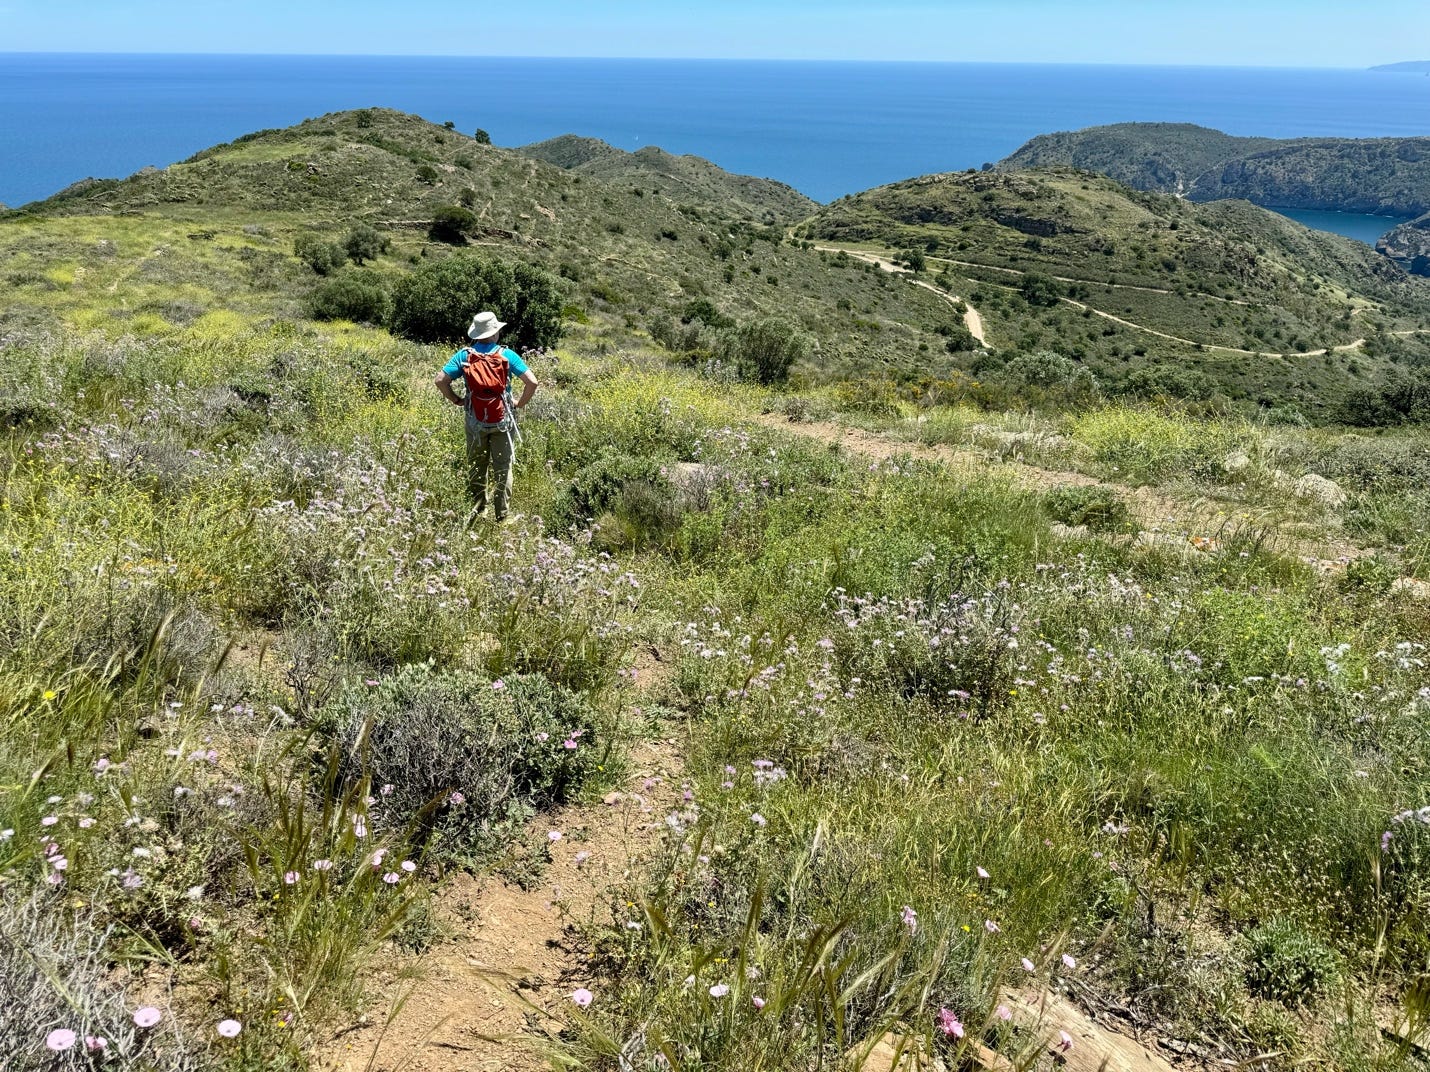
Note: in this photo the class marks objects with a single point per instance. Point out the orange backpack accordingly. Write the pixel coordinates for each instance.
(486, 378)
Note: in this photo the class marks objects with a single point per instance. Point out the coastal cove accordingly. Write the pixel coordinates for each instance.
(1363, 228)
(826, 128)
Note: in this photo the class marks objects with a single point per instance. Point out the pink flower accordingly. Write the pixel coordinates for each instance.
(1028, 965)
(498, 685)
(581, 857)
(377, 857)
(322, 865)
(85, 822)
(758, 819)
(359, 827)
(991, 927)
(290, 877)
(910, 918)
(457, 798)
(1065, 1041)
(719, 990)
(385, 791)
(1068, 962)
(408, 866)
(948, 1024)
(568, 744)
(49, 820)
(147, 1016)
(543, 736)
(554, 836)
(229, 1028)
(392, 878)
(60, 1039)
(1003, 1013)
(95, 1043)
(582, 997)
(131, 880)
(981, 873)
(758, 1002)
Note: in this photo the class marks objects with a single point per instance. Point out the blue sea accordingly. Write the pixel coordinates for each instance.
(826, 128)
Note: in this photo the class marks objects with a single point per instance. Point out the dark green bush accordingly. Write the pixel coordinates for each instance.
(436, 302)
(365, 244)
(501, 747)
(356, 296)
(632, 489)
(1287, 964)
(1101, 509)
(427, 174)
(765, 350)
(452, 224)
(319, 254)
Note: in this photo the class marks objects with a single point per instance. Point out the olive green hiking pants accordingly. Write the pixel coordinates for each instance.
(489, 459)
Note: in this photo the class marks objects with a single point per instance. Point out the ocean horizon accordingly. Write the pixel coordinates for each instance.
(827, 128)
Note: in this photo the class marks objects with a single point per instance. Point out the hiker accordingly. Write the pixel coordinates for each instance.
(486, 368)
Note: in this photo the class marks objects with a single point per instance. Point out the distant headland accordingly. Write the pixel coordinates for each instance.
(1409, 67)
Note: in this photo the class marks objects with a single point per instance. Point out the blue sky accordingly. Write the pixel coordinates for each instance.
(1313, 33)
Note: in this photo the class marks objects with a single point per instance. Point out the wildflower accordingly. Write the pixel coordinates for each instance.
(498, 685)
(991, 927)
(543, 737)
(948, 1023)
(581, 997)
(386, 790)
(981, 873)
(50, 694)
(85, 822)
(758, 819)
(96, 1043)
(554, 836)
(719, 990)
(581, 857)
(457, 799)
(1068, 962)
(229, 1028)
(194, 893)
(392, 878)
(377, 857)
(132, 880)
(322, 865)
(7, 833)
(290, 878)
(568, 744)
(60, 1039)
(359, 828)
(408, 866)
(1028, 965)
(147, 1016)
(370, 682)
(101, 765)
(910, 918)
(1385, 840)
(49, 820)
(1003, 1013)
(758, 1002)
(1065, 1041)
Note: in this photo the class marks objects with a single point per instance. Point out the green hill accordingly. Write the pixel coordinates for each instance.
(1134, 284)
(221, 227)
(1389, 176)
(689, 179)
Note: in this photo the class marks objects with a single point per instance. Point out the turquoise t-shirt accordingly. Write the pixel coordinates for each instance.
(453, 368)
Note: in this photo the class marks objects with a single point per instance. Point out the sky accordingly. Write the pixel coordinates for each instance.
(1277, 33)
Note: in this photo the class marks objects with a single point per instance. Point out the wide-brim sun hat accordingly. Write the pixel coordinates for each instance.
(484, 326)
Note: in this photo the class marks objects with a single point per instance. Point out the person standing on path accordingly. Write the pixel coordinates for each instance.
(486, 368)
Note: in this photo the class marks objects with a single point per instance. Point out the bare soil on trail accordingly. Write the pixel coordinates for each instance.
(971, 318)
(485, 999)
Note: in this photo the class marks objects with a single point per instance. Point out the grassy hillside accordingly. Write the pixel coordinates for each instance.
(954, 709)
(1128, 282)
(688, 179)
(1389, 176)
(156, 250)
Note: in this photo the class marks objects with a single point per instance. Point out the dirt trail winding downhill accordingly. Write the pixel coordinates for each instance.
(971, 319)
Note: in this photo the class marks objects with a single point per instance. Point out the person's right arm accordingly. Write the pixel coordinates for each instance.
(450, 372)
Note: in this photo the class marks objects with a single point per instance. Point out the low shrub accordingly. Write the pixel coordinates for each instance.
(1099, 508)
(356, 296)
(632, 489)
(317, 253)
(1287, 964)
(460, 756)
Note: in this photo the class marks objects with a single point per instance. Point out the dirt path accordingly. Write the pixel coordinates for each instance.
(971, 318)
(485, 1000)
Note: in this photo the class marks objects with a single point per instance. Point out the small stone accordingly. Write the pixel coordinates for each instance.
(1319, 489)
(613, 798)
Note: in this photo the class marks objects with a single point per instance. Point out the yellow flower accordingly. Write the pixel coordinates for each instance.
(50, 694)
